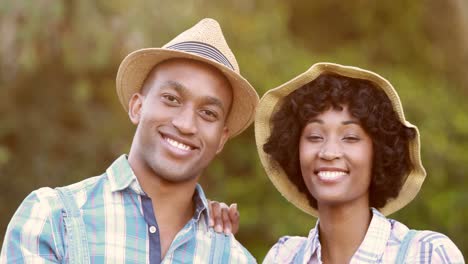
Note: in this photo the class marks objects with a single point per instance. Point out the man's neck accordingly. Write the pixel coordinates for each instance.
(342, 231)
(172, 202)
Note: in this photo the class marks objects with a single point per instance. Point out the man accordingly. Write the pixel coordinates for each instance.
(186, 100)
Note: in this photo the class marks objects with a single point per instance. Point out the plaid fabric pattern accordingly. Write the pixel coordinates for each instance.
(116, 222)
(380, 245)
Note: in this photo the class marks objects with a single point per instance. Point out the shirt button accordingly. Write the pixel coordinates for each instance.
(152, 229)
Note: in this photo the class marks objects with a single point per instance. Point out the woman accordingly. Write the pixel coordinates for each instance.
(335, 143)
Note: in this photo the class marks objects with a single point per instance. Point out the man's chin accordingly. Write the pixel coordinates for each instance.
(180, 177)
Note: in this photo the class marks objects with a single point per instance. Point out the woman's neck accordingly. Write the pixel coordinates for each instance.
(342, 230)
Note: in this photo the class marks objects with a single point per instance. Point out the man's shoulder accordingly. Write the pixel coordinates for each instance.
(221, 247)
(48, 198)
(85, 184)
(239, 254)
(209, 246)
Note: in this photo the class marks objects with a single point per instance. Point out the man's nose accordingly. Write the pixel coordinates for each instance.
(185, 121)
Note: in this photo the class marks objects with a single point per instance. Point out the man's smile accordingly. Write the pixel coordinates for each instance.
(177, 144)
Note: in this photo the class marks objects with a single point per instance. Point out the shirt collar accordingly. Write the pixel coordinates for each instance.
(313, 243)
(201, 204)
(372, 247)
(121, 177)
(375, 241)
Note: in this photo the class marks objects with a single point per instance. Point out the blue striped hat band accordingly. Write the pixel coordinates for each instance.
(204, 50)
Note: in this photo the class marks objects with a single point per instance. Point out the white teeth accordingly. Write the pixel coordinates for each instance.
(331, 175)
(178, 144)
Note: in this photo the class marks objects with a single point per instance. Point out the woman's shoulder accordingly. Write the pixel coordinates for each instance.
(435, 241)
(431, 237)
(285, 249)
(291, 242)
(424, 246)
(427, 246)
(427, 237)
(435, 247)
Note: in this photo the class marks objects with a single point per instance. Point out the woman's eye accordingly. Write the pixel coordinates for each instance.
(314, 138)
(351, 138)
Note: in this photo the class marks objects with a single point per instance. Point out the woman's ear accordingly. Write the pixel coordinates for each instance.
(134, 107)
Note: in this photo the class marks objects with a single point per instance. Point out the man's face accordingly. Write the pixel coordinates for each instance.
(181, 116)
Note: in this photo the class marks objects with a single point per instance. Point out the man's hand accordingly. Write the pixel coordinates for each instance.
(223, 218)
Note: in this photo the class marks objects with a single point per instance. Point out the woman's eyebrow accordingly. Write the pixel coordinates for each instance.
(351, 122)
(315, 120)
(347, 122)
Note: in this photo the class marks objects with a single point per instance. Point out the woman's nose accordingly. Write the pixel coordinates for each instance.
(330, 151)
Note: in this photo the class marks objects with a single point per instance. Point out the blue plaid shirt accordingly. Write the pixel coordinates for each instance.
(119, 222)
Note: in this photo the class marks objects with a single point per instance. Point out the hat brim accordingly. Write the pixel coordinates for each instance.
(270, 103)
(135, 67)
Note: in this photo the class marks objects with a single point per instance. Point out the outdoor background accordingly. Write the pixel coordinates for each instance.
(61, 122)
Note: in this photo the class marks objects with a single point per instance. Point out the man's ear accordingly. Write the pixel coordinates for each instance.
(134, 107)
(224, 138)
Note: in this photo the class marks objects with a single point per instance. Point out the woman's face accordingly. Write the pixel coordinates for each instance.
(335, 154)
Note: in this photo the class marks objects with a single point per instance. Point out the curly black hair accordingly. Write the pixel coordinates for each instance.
(370, 105)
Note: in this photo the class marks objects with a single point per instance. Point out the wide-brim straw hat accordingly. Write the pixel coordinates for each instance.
(203, 42)
(271, 102)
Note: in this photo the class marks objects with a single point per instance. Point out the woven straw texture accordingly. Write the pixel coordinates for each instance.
(136, 66)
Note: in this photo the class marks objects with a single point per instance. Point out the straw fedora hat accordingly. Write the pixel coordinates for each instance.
(203, 42)
(270, 103)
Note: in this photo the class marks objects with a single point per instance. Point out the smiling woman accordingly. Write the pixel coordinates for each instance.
(334, 141)
(368, 117)
(335, 155)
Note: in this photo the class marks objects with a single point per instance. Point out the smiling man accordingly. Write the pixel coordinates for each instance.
(186, 100)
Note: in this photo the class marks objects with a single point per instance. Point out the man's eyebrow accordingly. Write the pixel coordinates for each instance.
(180, 88)
(214, 101)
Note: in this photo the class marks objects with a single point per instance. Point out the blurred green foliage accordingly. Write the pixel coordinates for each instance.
(60, 120)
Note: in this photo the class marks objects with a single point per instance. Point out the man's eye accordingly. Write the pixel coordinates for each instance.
(210, 115)
(170, 98)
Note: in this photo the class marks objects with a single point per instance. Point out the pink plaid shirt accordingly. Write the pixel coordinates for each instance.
(380, 245)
